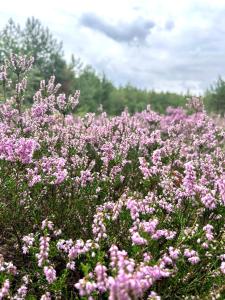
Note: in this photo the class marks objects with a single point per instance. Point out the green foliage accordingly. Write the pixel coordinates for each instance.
(137, 100)
(215, 97)
(37, 41)
(96, 91)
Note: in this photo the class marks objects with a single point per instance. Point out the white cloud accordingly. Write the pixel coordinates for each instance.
(183, 49)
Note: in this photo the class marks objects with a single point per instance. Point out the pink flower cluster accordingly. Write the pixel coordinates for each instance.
(124, 207)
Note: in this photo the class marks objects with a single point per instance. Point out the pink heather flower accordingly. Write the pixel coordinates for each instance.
(46, 296)
(222, 257)
(150, 226)
(192, 256)
(74, 100)
(4, 291)
(174, 253)
(35, 179)
(58, 232)
(133, 206)
(101, 278)
(51, 85)
(77, 248)
(47, 224)
(157, 157)
(85, 177)
(222, 267)
(196, 104)
(108, 153)
(189, 253)
(64, 245)
(20, 63)
(98, 226)
(21, 292)
(221, 187)
(42, 256)
(50, 274)
(3, 73)
(209, 201)
(208, 232)
(154, 296)
(85, 287)
(205, 245)
(24, 149)
(28, 242)
(167, 234)
(60, 176)
(61, 101)
(137, 239)
(21, 149)
(189, 180)
(54, 167)
(38, 110)
(11, 269)
(147, 257)
(21, 86)
(194, 260)
(166, 260)
(134, 283)
(70, 265)
(144, 167)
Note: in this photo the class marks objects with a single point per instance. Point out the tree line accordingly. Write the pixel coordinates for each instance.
(97, 91)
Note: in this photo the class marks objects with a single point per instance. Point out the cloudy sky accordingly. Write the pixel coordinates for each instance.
(170, 45)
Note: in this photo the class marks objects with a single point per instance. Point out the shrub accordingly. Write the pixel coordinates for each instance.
(128, 207)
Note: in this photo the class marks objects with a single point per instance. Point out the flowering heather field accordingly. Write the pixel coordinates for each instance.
(98, 207)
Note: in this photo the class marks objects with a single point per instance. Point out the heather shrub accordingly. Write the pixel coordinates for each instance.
(98, 207)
